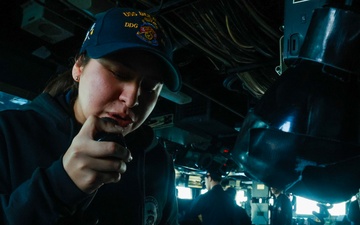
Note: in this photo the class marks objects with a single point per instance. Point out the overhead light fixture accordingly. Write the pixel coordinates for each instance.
(44, 23)
(304, 134)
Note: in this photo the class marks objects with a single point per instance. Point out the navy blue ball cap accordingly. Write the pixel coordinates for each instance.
(125, 28)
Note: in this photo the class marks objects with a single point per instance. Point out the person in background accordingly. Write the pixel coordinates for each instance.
(53, 169)
(353, 213)
(293, 202)
(213, 207)
(281, 210)
(240, 215)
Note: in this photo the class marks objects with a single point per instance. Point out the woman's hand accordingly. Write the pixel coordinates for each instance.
(91, 163)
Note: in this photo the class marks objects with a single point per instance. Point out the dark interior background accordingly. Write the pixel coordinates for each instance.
(228, 52)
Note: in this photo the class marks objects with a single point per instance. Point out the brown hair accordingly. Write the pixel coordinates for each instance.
(64, 82)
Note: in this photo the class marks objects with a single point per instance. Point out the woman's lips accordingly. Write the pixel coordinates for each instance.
(123, 121)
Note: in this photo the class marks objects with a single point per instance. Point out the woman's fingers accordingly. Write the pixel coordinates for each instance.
(91, 163)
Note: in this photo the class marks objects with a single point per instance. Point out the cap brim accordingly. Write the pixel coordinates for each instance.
(172, 80)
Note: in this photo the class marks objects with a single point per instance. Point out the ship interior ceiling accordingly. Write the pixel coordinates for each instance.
(229, 53)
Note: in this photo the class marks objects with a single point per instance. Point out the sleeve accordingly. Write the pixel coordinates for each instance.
(352, 214)
(196, 209)
(48, 197)
(287, 210)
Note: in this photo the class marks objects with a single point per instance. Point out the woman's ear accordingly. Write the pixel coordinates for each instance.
(77, 70)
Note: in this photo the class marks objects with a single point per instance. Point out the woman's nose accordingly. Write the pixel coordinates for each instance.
(130, 94)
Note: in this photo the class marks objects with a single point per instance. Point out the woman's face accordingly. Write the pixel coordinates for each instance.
(123, 87)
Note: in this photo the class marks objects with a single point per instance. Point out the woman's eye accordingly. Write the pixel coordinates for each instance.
(121, 75)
